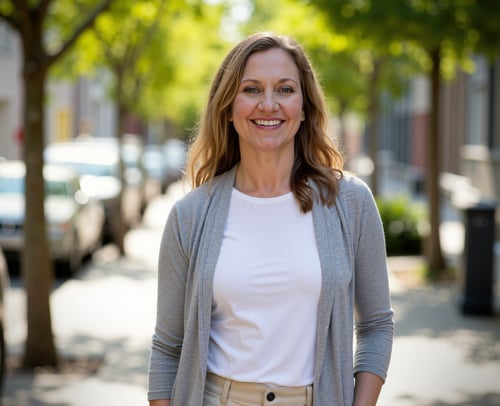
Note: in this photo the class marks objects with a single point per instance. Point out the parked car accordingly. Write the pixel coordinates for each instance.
(74, 220)
(154, 166)
(99, 161)
(134, 172)
(174, 155)
(99, 169)
(4, 284)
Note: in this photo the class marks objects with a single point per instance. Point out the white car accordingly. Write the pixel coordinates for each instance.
(74, 220)
(98, 164)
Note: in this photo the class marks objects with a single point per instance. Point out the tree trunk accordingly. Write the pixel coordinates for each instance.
(341, 136)
(37, 268)
(373, 119)
(120, 226)
(435, 257)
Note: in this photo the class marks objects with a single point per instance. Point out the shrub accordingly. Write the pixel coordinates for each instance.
(405, 223)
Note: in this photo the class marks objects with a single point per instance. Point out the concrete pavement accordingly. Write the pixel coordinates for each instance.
(440, 357)
(106, 315)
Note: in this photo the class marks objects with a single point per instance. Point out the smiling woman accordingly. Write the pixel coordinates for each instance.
(272, 231)
(267, 112)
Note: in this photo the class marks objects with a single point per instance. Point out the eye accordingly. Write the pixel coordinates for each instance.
(251, 90)
(286, 90)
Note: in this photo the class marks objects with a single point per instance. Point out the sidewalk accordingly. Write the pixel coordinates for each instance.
(102, 319)
(106, 316)
(440, 357)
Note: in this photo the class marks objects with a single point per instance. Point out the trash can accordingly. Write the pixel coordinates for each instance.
(478, 267)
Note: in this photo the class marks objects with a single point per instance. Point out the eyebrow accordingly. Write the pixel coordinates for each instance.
(282, 80)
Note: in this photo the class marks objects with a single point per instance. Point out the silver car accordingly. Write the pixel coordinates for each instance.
(174, 155)
(98, 164)
(74, 220)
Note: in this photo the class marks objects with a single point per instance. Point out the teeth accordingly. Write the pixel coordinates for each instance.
(268, 123)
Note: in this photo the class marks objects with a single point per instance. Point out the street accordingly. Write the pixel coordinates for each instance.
(103, 319)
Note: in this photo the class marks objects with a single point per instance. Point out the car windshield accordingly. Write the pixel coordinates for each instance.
(57, 188)
(12, 186)
(86, 168)
(16, 186)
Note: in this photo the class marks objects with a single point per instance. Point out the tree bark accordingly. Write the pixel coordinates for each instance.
(120, 226)
(373, 119)
(37, 267)
(435, 257)
(341, 136)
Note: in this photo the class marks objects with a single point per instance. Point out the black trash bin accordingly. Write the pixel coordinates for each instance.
(478, 261)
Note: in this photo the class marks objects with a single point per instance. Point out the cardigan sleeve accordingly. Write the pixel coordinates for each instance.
(373, 313)
(169, 330)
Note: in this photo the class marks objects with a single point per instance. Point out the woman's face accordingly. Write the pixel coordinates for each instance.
(268, 107)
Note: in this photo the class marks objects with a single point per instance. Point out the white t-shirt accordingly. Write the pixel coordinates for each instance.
(266, 292)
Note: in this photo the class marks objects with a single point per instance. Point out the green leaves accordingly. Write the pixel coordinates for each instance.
(160, 55)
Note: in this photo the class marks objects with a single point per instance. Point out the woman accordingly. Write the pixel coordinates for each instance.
(265, 265)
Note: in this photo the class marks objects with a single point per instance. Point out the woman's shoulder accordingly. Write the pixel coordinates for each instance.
(200, 196)
(352, 185)
(355, 198)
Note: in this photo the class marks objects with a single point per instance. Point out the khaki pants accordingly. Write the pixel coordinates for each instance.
(224, 392)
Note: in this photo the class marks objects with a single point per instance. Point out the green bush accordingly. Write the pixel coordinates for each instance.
(404, 223)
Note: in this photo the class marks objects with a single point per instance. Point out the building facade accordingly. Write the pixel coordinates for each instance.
(469, 135)
(10, 94)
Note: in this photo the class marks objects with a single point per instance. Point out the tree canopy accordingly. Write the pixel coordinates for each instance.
(161, 55)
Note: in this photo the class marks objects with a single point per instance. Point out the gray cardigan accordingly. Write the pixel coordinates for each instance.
(355, 289)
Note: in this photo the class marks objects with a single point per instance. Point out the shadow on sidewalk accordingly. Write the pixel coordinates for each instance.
(440, 356)
(433, 311)
(103, 320)
(491, 399)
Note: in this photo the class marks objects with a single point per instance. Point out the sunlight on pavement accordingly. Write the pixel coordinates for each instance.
(143, 244)
(438, 374)
(107, 309)
(158, 210)
(92, 391)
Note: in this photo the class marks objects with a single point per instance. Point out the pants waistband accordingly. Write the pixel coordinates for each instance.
(258, 393)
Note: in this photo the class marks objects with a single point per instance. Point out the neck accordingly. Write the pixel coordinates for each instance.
(263, 180)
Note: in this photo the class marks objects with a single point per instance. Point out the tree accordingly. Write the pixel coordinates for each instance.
(194, 45)
(442, 30)
(159, 61)
(483, 19)
(47, 29)
(118, 43)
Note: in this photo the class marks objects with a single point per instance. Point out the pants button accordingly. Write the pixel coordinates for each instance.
(270, 396)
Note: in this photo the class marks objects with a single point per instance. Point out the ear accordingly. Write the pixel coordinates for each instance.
(303, 116)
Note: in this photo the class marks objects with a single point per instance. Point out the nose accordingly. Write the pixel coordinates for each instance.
(268, 103)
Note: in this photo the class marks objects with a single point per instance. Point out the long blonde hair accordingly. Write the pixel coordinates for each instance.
(215, 148)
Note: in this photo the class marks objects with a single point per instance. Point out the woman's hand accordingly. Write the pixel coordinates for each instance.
(367, 389)
(160, 402)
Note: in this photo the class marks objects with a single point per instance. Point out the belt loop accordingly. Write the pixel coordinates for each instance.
(309, 395)
(224, 396)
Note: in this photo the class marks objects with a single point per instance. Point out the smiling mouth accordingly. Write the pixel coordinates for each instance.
(268, 123)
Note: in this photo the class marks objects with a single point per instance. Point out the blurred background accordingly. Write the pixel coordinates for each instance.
(98, 102)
